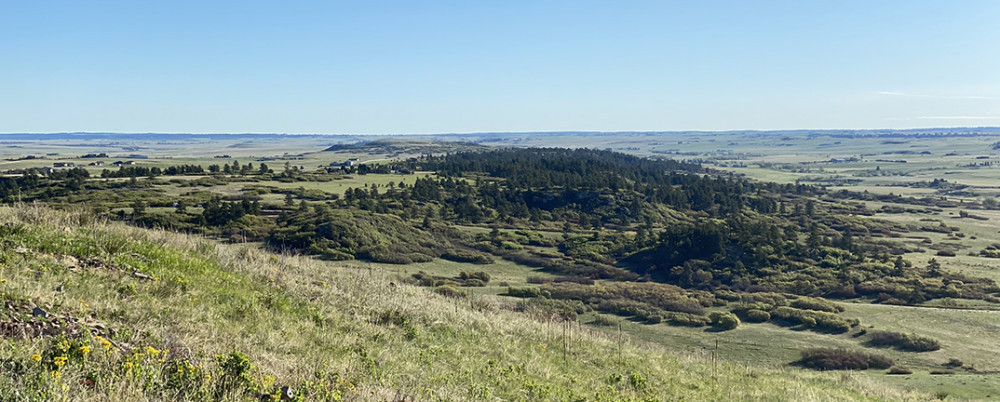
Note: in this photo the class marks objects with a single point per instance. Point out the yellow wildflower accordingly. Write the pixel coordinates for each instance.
(3, 281)
(104, 342)
(84, 350)
(128, 365)
(59, 361)
(36, 357)
(56, 374)
(152, 351)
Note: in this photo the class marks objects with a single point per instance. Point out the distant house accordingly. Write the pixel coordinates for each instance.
(129, 162)
(98, 163)
(118, 163)
(352, 162)
(63, 164)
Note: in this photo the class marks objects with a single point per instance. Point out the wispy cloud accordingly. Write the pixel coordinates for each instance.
(911, 95)
(958, 117)
(942, 118)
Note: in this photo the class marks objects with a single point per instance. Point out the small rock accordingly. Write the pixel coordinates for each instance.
(20, 250)
(38, 312)
(60, 288)
(141, 275)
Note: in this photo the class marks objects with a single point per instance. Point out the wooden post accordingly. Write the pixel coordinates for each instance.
(619, 344)
(564, 342)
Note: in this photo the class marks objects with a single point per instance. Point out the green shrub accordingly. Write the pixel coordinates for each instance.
(841, 359)
(724, 320)
(901, 341)
(449, 291)
(526, 292)
(754, 315)
(897, 370)
(811, 319)
(605, 321)
(815, 303)
(685, 319)
(468, 256)
(542, 307)
(474, 283)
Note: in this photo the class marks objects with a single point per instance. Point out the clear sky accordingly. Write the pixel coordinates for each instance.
(472, 66)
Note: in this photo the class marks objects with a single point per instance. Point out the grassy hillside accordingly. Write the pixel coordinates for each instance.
(108, 312)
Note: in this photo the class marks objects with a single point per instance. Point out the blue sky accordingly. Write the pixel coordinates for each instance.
(473, 66)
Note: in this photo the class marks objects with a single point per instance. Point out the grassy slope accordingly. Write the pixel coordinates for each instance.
(330, 332)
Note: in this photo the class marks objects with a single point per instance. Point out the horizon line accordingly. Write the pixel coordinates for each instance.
(517, 132)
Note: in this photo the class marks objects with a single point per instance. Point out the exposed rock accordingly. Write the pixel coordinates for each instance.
(38, 312)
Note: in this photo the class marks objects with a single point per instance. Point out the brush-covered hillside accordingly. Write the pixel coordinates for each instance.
(98, 311)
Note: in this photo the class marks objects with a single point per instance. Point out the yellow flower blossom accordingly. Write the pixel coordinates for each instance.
(59, 361)
(36, 357)
(84, 350)
(56, 374)
(152, 351)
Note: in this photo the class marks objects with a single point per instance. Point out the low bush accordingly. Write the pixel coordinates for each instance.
(685, 319)
(816, 320)
(899, 370)
(724, 321)
(901, 341)
(450, 291)
(815, 303)
(754, 315)
(841, 359)
(482, 276)
(473, 283)
(468, 256)
(942, 372)
(526, 292)
(537, 280)
(605, 321)
(566, 310)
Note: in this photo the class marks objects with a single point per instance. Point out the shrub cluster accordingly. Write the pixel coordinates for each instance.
(841, 359)
(724, 320)
(526, 292)
(897, 370)
(901, 341)
(816, 320)
(815, 303)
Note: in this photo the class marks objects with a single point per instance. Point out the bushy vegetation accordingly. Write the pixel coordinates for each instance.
(814, 320)
(901, 341)
(842, 359)
(724, 321)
